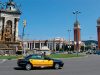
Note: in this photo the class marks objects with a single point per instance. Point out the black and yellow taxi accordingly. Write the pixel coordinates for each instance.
(37, 60)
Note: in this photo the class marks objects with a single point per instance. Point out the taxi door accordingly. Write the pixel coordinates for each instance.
(47, 63)
(36, 62)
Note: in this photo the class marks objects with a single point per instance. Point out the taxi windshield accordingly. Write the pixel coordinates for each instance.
(27, 57)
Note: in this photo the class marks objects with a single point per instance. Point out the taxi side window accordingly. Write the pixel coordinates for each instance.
(36, 57)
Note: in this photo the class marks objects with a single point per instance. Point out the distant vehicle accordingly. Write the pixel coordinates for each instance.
(97, 52)
(36, 60)
(90, 52)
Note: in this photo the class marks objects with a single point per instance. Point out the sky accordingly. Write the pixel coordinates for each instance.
(48, 19)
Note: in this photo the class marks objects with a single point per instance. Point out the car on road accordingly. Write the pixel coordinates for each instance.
(90, 52)
(41, 61)
(97, 52)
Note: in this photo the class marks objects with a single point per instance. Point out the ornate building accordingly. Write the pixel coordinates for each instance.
(9, 18)
(53, 44)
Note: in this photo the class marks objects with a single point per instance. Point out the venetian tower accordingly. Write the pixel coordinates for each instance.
(77, 38)
(98, 32)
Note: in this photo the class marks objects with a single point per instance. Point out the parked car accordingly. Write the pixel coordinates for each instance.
(90, 52)
(37, 60)
(97, 52)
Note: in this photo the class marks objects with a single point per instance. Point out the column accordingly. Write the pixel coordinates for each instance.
(3, 23)
(29, 45)
(55, 46)
(40, 45)
(17, 30)
(60, 45)
(48, 45)
(52, 45)
(34, 44)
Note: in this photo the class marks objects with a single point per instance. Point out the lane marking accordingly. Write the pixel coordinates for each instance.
(3, 61)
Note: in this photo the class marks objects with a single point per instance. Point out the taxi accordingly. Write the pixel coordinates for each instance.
(41, 61)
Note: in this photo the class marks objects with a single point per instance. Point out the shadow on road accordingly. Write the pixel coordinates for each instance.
(19, 68)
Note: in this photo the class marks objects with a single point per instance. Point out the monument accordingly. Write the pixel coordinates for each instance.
(9, 18)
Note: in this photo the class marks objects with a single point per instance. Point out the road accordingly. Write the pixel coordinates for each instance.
(89, 65)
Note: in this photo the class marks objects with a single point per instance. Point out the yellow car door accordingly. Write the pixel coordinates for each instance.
(47, 63)
(36, 62)
(41, 61)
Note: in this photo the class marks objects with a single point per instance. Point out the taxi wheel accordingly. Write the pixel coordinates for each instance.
(28, 67)
(56, 66)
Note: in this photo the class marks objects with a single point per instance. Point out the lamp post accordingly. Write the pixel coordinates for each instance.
(63, 45)
(69, 38)
(76, 13)
(23, 49)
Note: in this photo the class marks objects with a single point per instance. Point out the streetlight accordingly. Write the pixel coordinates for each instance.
(76, 13)
(69, 38)
(23, 49)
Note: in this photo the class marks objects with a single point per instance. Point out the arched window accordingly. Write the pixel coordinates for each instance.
(9, 24)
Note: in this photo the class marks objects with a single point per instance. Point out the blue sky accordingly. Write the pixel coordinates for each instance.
(52, 18)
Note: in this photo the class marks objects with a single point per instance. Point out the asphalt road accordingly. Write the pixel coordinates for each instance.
(89, 65)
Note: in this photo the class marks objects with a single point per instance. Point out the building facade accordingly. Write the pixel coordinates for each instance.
(53, 44)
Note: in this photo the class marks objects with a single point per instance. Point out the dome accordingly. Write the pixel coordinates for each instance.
(98, 20)
(12, 7)
(11, 3)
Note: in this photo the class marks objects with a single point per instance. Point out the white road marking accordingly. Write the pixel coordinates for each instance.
(3, 61)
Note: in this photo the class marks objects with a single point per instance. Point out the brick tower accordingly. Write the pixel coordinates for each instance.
(98, 32)
(77, 39)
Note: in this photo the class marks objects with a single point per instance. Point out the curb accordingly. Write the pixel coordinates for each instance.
(72, 57)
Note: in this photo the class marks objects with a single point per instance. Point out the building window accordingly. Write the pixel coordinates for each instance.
(10, 8)
(37, 45)
(28, 45)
